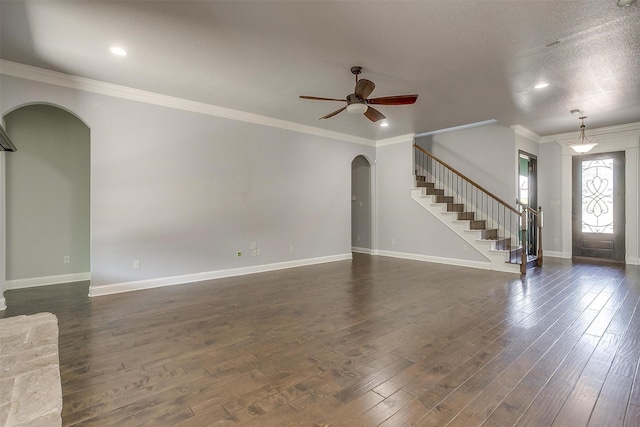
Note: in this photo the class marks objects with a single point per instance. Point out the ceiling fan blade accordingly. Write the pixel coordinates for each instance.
(321, 99)
(394, 100)
(334, 113)
(364, 88)
(374, 115)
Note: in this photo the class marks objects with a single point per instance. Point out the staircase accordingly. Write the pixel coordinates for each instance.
(484, 221)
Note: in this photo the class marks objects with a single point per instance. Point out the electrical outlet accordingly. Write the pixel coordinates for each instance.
(358, 238)
(393, 241)
(136, 264)
(66, 259)
(253, 245)
(465, 248)
(290, 248)
(254, 252)
(258, 252)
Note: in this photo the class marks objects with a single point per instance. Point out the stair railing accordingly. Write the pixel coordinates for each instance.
(504, 220)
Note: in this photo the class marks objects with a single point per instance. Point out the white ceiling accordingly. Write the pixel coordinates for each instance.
(469, 60)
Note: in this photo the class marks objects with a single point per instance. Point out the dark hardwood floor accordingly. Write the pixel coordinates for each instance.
(373, 341)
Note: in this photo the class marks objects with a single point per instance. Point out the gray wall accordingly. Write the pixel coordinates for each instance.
(550, 195)
(361, 203)
(183, 192)
(403, 225)
(486, 154)
(47, 193)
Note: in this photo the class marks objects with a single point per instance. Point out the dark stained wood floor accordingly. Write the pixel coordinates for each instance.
(373, 341)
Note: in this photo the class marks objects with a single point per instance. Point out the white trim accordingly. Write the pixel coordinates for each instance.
(526, 133)
(3, 228)
(3, 304)
(632, 261)
(555, 254)
(451, 129)
(409, 137)
(47, 280)
(41, 75)
(438, 260)
(117, 288)
(361, 250)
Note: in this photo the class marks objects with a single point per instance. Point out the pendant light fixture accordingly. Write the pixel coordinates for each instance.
(583, 144)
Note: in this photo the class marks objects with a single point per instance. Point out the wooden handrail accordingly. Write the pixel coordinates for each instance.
(527, 207)
(496, 198)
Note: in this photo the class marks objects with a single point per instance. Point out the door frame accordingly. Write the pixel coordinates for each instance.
(532, 230)
(609, 140)
(618, 237)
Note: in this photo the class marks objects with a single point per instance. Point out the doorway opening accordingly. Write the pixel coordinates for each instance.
(361, 239)
(598, 206)
(47, 209)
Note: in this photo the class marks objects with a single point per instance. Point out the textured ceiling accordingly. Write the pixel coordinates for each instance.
(470, 60)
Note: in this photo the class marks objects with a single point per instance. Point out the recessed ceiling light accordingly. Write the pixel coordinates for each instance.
(384, 124)
(118, 51)
(625, 3)
(541, 85)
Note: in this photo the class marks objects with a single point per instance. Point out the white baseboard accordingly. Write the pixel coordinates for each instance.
(554, 254)
(47, 280)
(361, 250)
(3, 304)
(632, 261)
(436, 259)
(138, 285)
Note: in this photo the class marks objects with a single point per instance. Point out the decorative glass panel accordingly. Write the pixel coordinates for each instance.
(597, 196)
(524, 190)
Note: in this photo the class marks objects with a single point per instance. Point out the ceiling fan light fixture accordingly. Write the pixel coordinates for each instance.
(357, 108)
(118, 51)
(583, 144)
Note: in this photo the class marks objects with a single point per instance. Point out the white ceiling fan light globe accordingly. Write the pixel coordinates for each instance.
(357, 108)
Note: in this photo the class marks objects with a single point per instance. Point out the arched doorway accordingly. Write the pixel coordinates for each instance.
(47, 189)
(361, 202)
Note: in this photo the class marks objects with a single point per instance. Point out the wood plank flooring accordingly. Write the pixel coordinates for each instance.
(373, 341)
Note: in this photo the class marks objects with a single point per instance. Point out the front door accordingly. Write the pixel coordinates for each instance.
(598, 206)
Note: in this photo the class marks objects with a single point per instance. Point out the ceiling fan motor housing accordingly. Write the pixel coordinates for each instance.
(354, 99)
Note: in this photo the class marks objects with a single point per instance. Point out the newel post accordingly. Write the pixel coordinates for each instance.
(523, 231)
(539, 224)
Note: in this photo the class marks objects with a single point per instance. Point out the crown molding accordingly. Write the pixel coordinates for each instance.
(609, 132)
(526, 133)
(28, 72)
(409, 137)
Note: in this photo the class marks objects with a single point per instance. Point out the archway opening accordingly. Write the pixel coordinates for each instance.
(47, 193)
(361, 202)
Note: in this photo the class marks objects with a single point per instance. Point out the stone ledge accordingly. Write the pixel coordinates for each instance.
(30, 386)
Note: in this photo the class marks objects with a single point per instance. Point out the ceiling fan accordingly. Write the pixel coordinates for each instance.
(357, 102)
